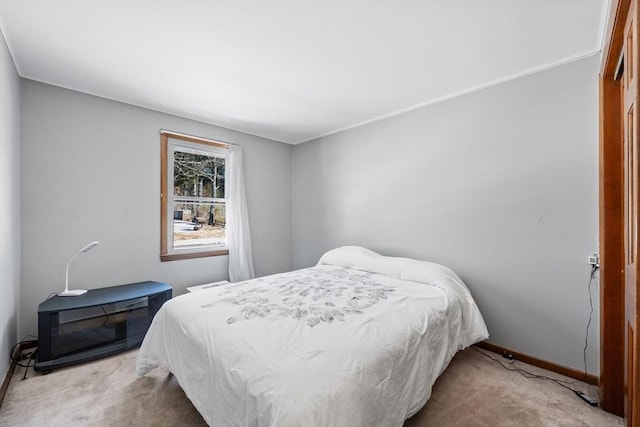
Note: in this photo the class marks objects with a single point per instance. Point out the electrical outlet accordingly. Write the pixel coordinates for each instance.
(594, 259)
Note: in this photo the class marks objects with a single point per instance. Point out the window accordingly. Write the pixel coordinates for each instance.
(193, 197)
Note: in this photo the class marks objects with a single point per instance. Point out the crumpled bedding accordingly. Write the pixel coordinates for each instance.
(357, 340)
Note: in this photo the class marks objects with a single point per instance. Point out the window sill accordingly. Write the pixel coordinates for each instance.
(192, 255)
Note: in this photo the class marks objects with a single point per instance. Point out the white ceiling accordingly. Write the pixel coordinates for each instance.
(293, 71)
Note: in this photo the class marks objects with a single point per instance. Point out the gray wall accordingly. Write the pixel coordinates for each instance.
(499, 184)
(91, 171)
(9, 203)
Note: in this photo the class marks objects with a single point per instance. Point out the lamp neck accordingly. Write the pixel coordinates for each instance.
(66, 279)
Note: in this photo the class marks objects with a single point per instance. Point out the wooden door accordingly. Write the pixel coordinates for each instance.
(619, 196)
(631, 196)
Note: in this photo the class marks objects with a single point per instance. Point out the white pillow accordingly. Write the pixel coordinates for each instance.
(350, 256)
(400, 268)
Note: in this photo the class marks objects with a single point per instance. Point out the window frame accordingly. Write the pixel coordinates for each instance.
(167, 253)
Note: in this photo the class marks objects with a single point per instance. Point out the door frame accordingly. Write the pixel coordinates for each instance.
(611, 189)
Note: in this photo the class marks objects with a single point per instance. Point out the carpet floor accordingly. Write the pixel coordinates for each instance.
(473, 391)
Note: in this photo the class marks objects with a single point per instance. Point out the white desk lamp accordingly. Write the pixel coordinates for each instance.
(76, 292)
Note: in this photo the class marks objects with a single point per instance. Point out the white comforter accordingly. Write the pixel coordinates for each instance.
(358, 340)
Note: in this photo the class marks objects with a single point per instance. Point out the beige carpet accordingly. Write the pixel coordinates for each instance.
(473, 391)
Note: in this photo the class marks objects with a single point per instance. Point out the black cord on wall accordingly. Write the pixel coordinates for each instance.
(565, 384)
(594, 268)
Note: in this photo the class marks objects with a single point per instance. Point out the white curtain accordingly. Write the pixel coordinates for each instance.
(238, 236)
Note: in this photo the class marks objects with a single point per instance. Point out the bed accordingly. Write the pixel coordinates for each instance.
(357, 340)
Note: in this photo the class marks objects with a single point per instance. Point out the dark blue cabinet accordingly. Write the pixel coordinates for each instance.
(99, 323)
